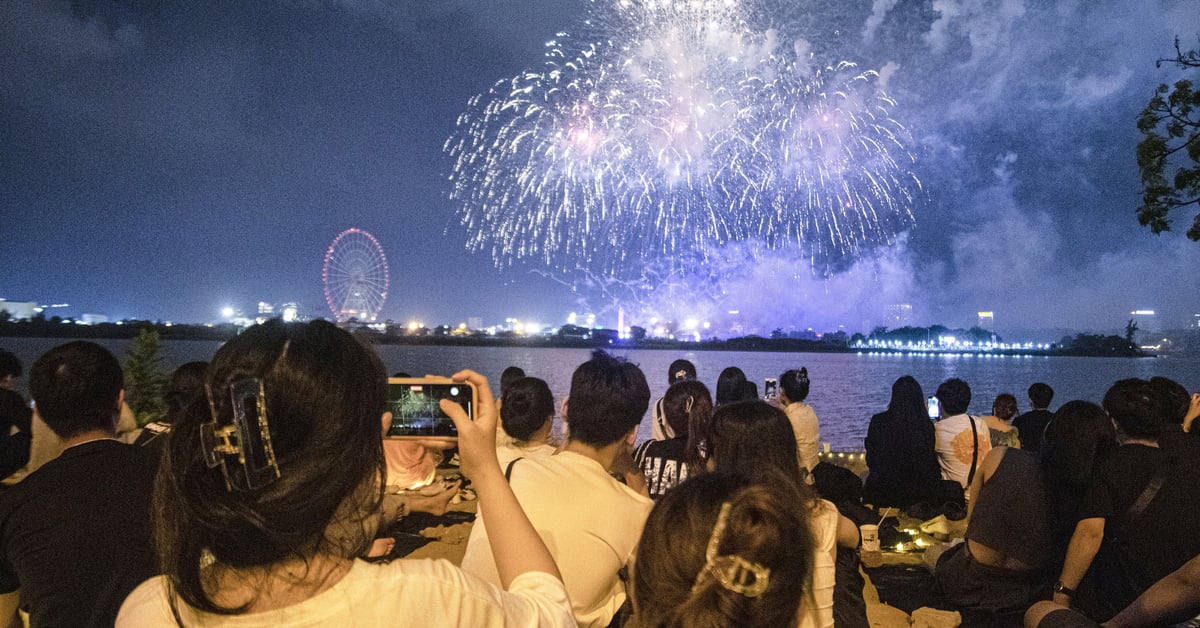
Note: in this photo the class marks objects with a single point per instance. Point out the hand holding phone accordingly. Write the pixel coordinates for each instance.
(415, 404)
(770, 389)
(935, 409)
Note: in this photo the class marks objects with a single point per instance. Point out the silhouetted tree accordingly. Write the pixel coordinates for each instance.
(1170, 126)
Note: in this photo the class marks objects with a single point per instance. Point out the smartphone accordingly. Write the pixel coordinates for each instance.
(770, 389)
(413, 403)
(934, 409)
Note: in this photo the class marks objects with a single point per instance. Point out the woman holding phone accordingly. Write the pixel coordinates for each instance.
(266, 528)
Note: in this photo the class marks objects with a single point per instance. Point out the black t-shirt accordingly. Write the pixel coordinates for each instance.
(75, 534)
(1030, 427)
(661, 461)
(15, 432)
(1159, 540)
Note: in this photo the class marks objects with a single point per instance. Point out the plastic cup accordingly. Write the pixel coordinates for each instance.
(871, 555)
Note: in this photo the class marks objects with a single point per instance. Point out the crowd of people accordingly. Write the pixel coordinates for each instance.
(255, 499)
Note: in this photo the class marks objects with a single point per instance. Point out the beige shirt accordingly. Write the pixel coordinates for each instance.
(807, 431)
(590, 522)
(954, 448)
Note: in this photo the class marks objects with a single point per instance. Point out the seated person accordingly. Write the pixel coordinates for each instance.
(793, 390)
(185, 388)
(679, 370)
(665, 463)
(962, 440)
(1001, 431)
(719, 550)
(731, 386)
(997, 568)
(900, 453)
(755, 437)
(590, 520)
(75, 534)
(1135, 523)
(15, 418)
(1032, 424)
(527, 415)
(273, 541)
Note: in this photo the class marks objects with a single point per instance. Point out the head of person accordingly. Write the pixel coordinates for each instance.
(731, 385)
(1005, 406)
(1079, 435)
(10, 369)
(1040, 396)
(719, 550)
(528, 407)
(508, 376)
(747, 436)
(908, 400)
(1135, 408)
(608, 398)
(323, 394)
(794, 385)
(185, 388)
(680, 370)
(687, 404)
(77, 388)
(1173, 399)
(954, 397)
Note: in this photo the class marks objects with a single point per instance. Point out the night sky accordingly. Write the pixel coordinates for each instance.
(164, 160)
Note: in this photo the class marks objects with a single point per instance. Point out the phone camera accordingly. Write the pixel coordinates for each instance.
(454, 390)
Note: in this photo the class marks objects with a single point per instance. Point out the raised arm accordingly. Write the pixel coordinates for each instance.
(515, 544)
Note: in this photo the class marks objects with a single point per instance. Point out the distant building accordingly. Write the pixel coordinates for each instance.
(986, 321)
(474, 322)
(20, 310)
(1146, 320)
(290, 312)
(898, 315)
(93, 319)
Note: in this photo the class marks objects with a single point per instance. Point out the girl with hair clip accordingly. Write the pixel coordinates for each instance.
(793, 390)
(267, 495)
(754, 438)
(720, 550)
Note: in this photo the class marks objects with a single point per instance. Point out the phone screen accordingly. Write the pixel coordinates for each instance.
(770, 388)
(934, 409)
(415, 410)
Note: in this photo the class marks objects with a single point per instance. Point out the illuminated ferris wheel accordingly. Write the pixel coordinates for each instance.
(355, 276)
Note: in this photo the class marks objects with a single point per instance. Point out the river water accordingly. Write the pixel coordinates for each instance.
(847, 388)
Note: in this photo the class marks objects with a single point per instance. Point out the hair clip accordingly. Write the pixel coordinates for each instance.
(248, 438)
(681, 374)
(733, 572)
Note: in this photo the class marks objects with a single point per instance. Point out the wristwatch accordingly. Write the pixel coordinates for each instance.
(1059, 587)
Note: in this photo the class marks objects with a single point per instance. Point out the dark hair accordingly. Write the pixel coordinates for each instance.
(185, 388)
(766, 525)
(1173, 399)
(748, 435)
(1040, 395)
(510, 375)
(325, 394)
(1078, 436)
(679, 370)
(749, 391)
(1005, 406)
(955, 396)
(908, 400)
(9, 364)
(731, 385)
(76, 387)
(1134, 406)
(795, 384)
(528, 405)
(608, 398)
(688, 409)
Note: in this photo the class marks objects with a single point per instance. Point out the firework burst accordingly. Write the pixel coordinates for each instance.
(664, 129)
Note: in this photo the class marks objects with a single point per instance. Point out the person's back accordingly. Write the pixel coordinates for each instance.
(74, 535)
(1031, 425)
(962, 440)
(900, 451)
(15, 418)
(590, 521)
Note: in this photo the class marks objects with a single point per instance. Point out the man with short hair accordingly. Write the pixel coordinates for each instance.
(1031, 425)
(678, 371)
(589, 520)
(961, 440)
(75, 534)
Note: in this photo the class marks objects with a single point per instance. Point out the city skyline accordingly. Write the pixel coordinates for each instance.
(171, 161)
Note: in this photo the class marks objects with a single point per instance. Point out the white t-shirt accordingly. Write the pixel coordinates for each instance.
(399, 593)
(807, 431)
(512, 450)
(816, 611)
(954, 448)
(590, 522)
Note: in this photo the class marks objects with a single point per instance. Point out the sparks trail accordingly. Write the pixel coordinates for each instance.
(664, 130)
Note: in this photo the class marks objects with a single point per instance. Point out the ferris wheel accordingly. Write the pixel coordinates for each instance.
(355, 276)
